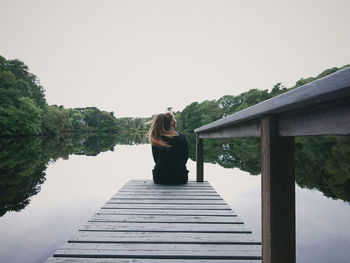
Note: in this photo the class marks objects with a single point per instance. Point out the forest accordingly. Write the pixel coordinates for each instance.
(25, 112)
(322, 162)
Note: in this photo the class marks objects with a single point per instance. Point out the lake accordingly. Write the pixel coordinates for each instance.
(50, 187)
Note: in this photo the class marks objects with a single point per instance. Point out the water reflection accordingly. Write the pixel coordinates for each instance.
(23, 161)
(322, 162)
(65, 203)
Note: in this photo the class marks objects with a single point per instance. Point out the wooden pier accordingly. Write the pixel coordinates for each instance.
(149, 223)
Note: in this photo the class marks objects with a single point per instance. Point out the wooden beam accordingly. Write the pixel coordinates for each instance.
(247, 129)
(278, 194)
(331, 118)
(199, 158)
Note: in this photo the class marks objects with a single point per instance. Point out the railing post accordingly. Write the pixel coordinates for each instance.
(199, 158)
(278, 194)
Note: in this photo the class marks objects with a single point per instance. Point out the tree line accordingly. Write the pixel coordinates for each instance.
(198, 114)
(322, 162)
(25, 111)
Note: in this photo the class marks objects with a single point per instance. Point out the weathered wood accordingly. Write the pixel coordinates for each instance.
(167, 188)
(168, 212)
(175, 251)
(248, 129)
(278, 194)
(158, 225)
(321, 119)
(143, 260)
(163, 237)
(170, 194)
(157, 197)
(165, 227)
(168, 206)
(169, 191)
(167, 201)
(199, 159)
(151, 183)
(163, 219)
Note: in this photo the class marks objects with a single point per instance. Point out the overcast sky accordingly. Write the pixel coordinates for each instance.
(137, 58)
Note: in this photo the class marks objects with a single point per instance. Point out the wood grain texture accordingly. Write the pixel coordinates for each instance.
(166, 212)
(170, 191)
(164, 227)
(145, 222)
(332, 118)
(176, 251)
(167, 219)
(170, 187)
(162, 237)
(161, 197)
(144, 260)
(247, 129)
(278, 194)
(168, 201)
(168, 206)
(173, 194)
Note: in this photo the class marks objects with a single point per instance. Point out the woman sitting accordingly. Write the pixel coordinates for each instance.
(169, 149)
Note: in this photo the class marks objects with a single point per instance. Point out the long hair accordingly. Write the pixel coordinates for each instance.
(161, 126)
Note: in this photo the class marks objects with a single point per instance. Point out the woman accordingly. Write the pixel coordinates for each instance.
(169, 149)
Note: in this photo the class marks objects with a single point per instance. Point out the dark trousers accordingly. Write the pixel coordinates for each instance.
(170, 178)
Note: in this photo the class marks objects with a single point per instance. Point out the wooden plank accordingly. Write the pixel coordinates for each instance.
(144, 260)
(168, 189)
(168, 212)
(168, 206)
(164, 227)
(141, 188)
(278, 194)
(162, 218)
(175, 251)
(132, 181)
(147, 183)
(162, 224)
(167, 192)
(323, 119)
(163, 237)
(152, 184)
(165, 201)
(157, 197)
(246, 129)
(174, 194)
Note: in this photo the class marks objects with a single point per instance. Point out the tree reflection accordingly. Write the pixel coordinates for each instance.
(23, 161)
(322, 162)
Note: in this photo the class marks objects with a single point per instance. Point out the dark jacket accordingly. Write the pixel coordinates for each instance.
(170, 163)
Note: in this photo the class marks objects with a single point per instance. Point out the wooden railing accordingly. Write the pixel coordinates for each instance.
(321, 107)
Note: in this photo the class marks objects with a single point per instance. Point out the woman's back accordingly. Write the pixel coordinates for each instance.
(169, 149)
(170, 163)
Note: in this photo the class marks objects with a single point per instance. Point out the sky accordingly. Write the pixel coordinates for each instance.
(137, 58)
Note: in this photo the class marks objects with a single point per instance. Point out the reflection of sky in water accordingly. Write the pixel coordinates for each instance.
(76, 188)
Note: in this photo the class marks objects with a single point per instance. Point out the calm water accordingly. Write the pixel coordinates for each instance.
(50, 187)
